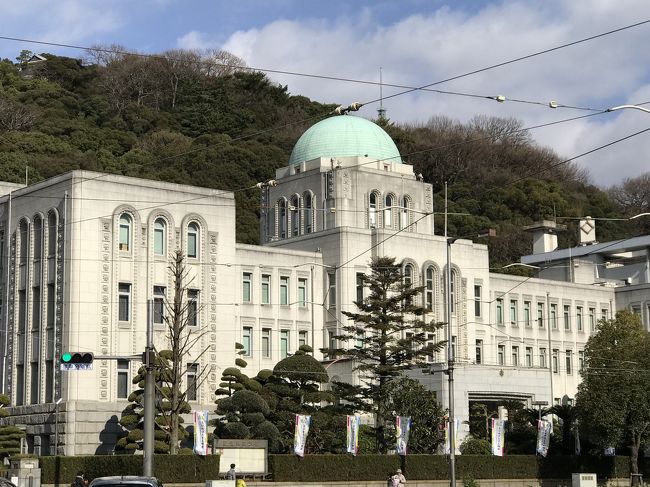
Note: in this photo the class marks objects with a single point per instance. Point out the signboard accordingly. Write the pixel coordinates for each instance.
(76, 366)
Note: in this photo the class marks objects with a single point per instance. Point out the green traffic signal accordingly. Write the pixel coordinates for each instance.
(66, 357)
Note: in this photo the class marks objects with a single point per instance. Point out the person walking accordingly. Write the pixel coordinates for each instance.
(231, 474)
(79, 480)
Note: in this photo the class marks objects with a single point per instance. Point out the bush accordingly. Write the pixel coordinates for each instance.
(167, 468)
(476, 446)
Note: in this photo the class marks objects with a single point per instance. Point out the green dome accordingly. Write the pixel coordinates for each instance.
(344, 136)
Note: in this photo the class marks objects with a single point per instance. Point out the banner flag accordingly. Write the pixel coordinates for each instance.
(200, 432)
(402, 430)
(300, 434)
(543, 436)
(354, 422)
(498, 436)
(457, 423)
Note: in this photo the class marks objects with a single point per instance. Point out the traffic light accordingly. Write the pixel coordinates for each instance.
(76, 361)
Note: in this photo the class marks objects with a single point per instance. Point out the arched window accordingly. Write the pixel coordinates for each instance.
(193, 233)
(24, 240)
(125, 232)
(408, 280)
(159, 236)
(307, 211)
(38, 237)
(295, 216)
(388, 211)
(52, 230)
(372, 210)
(428, 288)
(404, 212)
(282, 218)
(452, 291)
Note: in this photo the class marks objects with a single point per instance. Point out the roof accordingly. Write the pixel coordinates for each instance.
(604, 249)
(345, 136)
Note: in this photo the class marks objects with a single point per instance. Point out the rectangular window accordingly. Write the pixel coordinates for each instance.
(579, 313)
(515, 356)
(302, 292)
(603, 314)
(513, 312)
(477, 301)
(567, 317)
(527, 320)
(266, 342)
(158, 305)
(592, 319)
(542, 358)
(192, 386)
(359, 341)
(568, 361)
(266, 288)
(122, 379)
(36, 308)
(501, 354)
(247, 341)
(124, 301)
(284, 343)
(556, 361)
(192, 307)
(125, 238)
(453, 347)
(284, 290)
(332, 342)
(479, 351)
(554, 316)
(430, 344)
(331, 289)
(529, 356)
(499, 311)
(360, 287)
(302, 338)
(540, 315)
(247, 282)
(581, 360)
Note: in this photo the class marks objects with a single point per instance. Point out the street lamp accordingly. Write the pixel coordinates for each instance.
(56, 425)
(450, 357)
(621, 107)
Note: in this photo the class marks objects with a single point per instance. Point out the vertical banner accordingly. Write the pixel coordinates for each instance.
(402, 430)
(457, 423)
(498, 436)
(543, 436)
(200, 432)
(300, 434)
(354, 422)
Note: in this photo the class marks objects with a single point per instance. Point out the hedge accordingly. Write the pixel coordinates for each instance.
(167, 468)
(324, 468)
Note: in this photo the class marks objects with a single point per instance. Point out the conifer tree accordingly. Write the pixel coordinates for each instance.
(386, 336)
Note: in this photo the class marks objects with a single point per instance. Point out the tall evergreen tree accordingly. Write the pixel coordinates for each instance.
(386, 336)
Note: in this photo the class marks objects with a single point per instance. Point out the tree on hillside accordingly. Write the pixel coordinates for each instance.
(613, 399)
(386, 337)
(633, 197)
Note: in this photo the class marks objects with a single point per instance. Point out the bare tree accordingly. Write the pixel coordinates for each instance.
(183, 341)
(15, 116)
(221, 63)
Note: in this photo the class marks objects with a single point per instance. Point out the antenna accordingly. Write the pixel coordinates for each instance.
(381, 110)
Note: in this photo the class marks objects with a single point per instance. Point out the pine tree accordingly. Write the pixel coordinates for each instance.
(389, 336)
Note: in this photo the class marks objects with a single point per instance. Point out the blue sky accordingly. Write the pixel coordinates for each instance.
(415, 42)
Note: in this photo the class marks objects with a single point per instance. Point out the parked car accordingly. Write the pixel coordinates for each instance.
(125, 481)
(6, 482)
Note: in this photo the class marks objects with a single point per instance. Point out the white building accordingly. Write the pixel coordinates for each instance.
(83, 252)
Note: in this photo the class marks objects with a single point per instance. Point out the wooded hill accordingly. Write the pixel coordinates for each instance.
(206, 120)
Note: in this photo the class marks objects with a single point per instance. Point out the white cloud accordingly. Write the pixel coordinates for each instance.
(196, 40)
(68, 22)
(421, 49)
